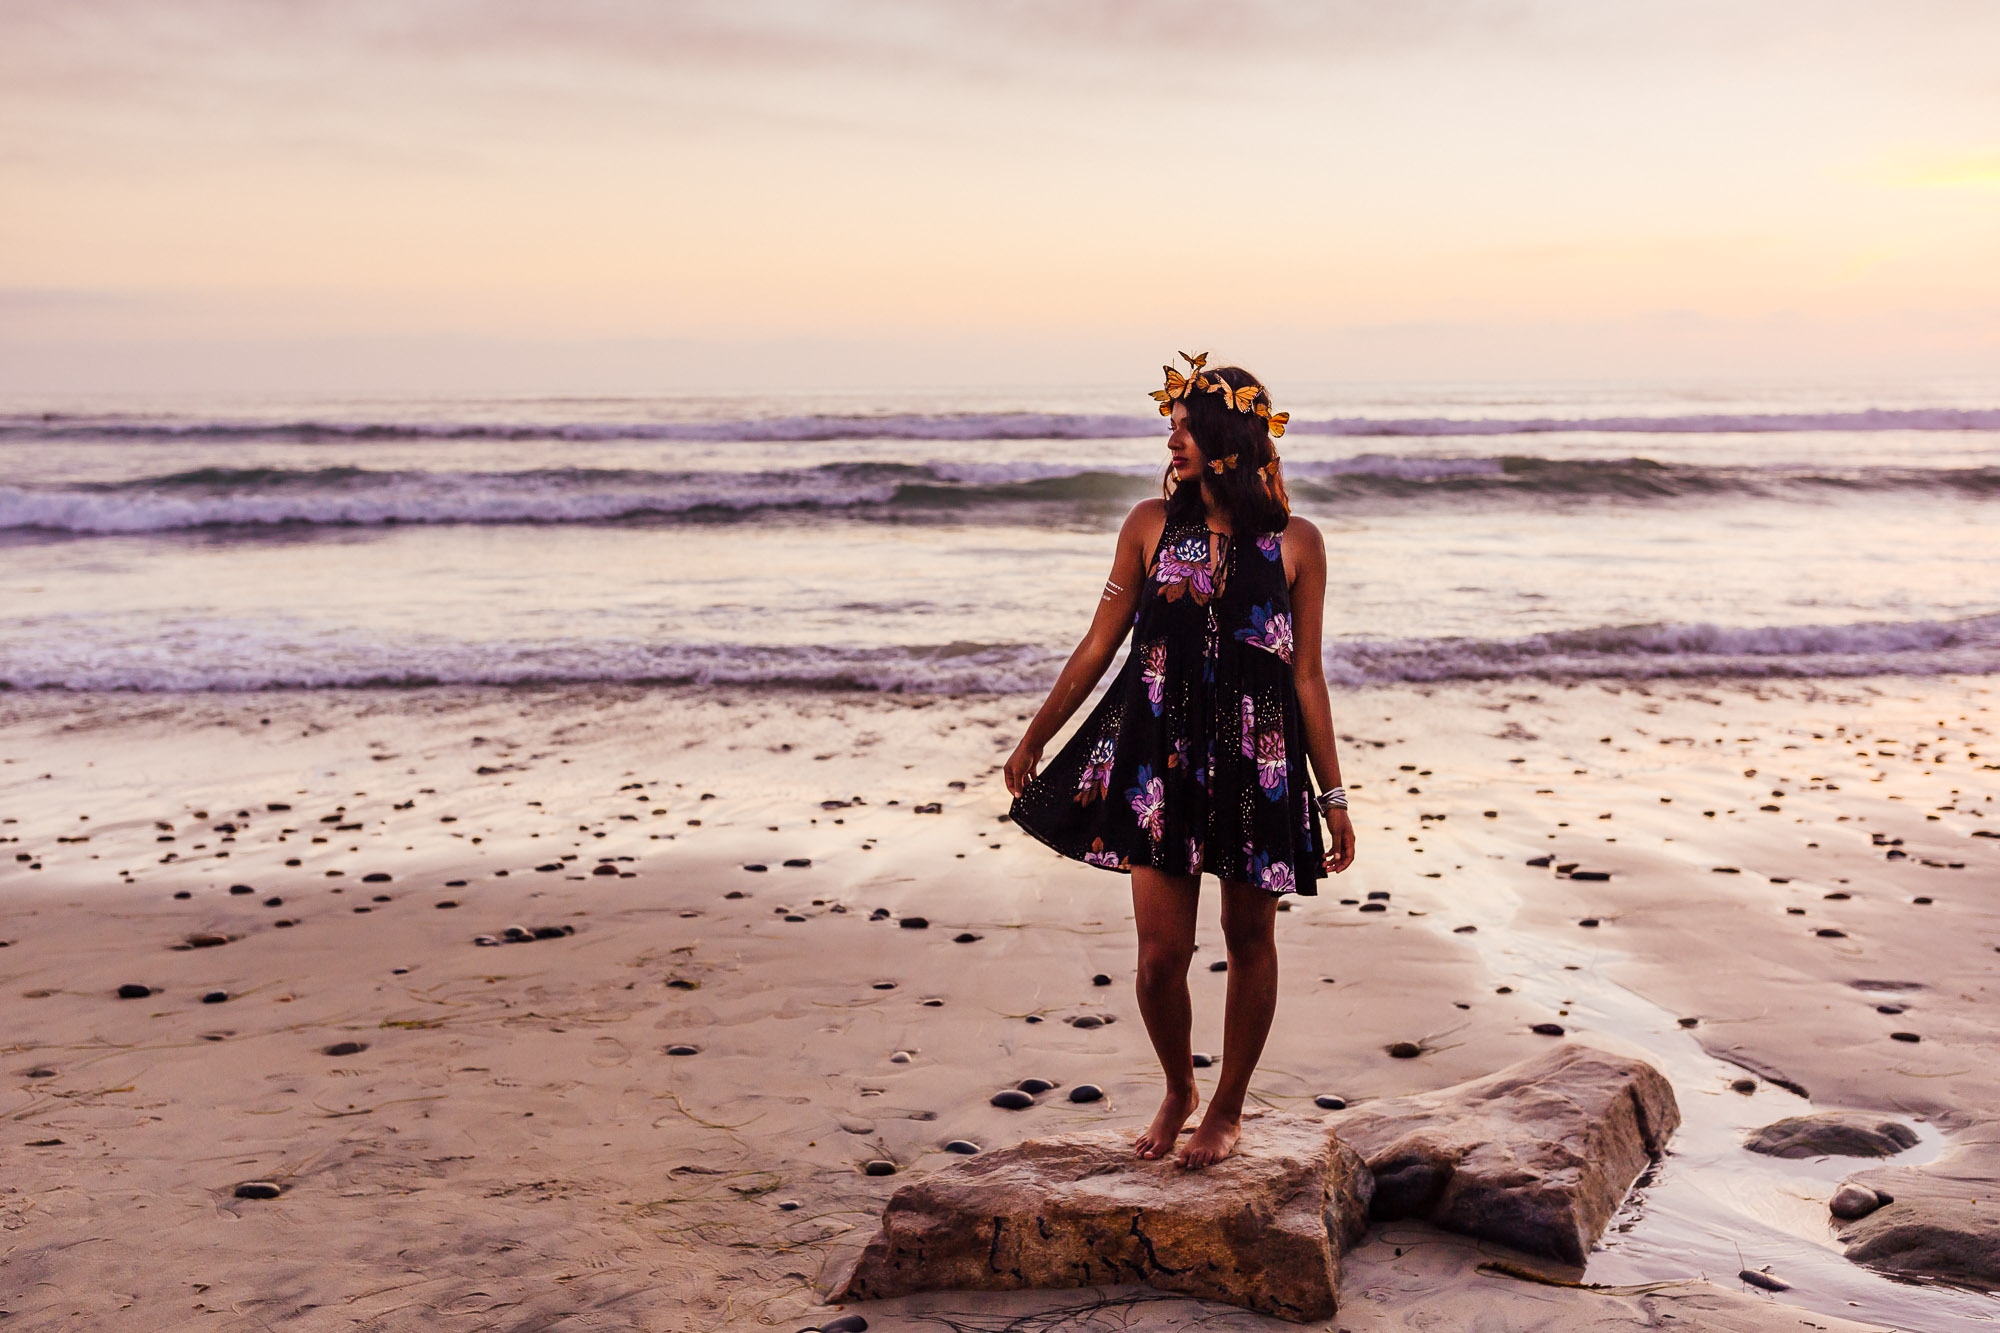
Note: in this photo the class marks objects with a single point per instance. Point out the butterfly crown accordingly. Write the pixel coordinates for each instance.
(1245, 399)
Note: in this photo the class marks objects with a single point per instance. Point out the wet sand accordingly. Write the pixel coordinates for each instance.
(512, 1145)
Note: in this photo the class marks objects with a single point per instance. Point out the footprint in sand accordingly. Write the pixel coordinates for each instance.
(606, 1052)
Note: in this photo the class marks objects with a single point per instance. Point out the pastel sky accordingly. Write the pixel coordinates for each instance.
(577, 193)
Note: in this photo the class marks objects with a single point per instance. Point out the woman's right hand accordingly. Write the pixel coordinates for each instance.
(1021, 766)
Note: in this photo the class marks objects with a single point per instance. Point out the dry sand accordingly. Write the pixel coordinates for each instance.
(513, 1148)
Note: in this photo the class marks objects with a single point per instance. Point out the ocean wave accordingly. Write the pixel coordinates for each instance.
(217, 497)
(226, 656)
(956, 426)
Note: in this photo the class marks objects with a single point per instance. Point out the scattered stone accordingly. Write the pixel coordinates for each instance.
(1081, 1210)
(241, 889)
(1904, 1036)
(447, 903)
(1851, 1202)
(1589, 921)
(1086, 1021)
(1202, 1060)
(1101, 979)
(182, 893)
(1937, 1220)
(1374, 907)
(377, 878)
(1832, 1134)
(928, 808)
(1746, 1086)
(132, 990)
(879, 1167)
(1086, 1092)
(847, 1323)
(1326, 1101)
(1547, 1029)
(344, 1048)
(754, 866)
(1590, 875)
(966, 937)
(1541, 860)
(1219, 965)
(1035, 1086)
(258, 1189)
(485, 941)
(914, 923)
(1726, 870)
(681, 1048)
(605, 868)
(1829, 933)
(1536, 1157)
(1404, 1050)
(964, 1147)
(799, 862)
(216, 997)
(1690, 1022)
(1011, 1099)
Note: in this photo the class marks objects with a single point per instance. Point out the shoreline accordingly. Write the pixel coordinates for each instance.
(513, 1142)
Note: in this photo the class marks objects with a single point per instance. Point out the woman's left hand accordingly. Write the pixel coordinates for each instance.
(1340, 846)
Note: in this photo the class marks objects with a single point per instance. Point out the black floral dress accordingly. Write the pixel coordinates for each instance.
(1195, 758)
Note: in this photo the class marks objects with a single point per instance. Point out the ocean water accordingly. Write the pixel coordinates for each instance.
(957, 542)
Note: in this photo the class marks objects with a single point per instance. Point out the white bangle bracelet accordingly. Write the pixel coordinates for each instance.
(1333, 798)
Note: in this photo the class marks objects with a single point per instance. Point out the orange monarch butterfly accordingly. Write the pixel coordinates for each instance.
(1222, 464)
(1276, 420)
(1240, 399)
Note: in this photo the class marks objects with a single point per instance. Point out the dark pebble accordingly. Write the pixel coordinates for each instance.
(1548, 1029)
(377, 878)
(1829, 933)
(606, 869)
(1904, 1036)
(183, 893)
(1405, 1050)
(1890, 1008)
(755, 866)
(790, 1206)
(1590, 874)
(132, 990)
(879, 1167)
(344, 1048)
(799, 861)
(205, 940)
(551, 866)
(257, 1189)
(1379, 895)
(1465, 930)
(1541, 860)
(1587, 921)
(914, 923)
(683, 1050)
(965, 937)
(1690, 1022)
(1795, 911)
(794, 916)
(1012, 1099)
(448, 902)
(241, 888)
(879, 914)
(1086, 1092)
(274, 902)
(1745, 1086)
(1086, 1021)
(734, 893)
(1034, 1018)
(1219, 965)
(40, 1071)
(1374, 907)
(1326, 1101)
(1202, 1060)
(215, 997)
(847, 1323)
(1921, 902)
(1724, 870)
(964, 1147)
(1034, 1086)
(1100, 980)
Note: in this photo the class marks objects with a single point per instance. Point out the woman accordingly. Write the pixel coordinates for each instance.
(1196, 758)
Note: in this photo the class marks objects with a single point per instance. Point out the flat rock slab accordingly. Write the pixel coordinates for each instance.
(1833, 1134)
(1942, 1219)
(1264, 1228)
(1536, 1157)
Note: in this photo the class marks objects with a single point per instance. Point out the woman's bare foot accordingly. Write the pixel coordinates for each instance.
(1160, 1136)
(1213, 1141)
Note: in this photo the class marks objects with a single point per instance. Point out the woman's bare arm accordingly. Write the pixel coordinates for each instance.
(1099, 645)
(1309, 676)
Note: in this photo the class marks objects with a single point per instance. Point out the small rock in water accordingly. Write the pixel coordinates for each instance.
(1374, 907)
(1405, 1050)
(274, 902)
(1326, 1101)
(1202, 1060)
(1219, 965)
(1034, 1086)
(1904, 1036)
(257, 1189)
(1851, 1201)
(377, 878)
(799, 862)
(914, 923)
(132, 990)
(1690, 1022)
(1012, 1099)
(1086, 1021)
(215, 997)
(206, 940)
(1086, 1092)
(241, 888)
(1548, 1029)
(1758, 1278)
(1746, 1086)
(1101, 979)
(964, 1147)
(755, 866)
(605, 869)
(1829, 933)
(965, 937)
(681, 1048)
(880, 1167)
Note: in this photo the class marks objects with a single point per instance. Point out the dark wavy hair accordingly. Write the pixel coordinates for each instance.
(1220, 431)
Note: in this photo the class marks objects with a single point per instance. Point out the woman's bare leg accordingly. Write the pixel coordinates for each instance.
(1163, 906)
(1248, 914)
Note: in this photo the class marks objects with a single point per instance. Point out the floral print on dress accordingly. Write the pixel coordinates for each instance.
(1184, 570)
(1249, 728)
(1094, 784)
(1155, 674)
(1273, 875)
(1269, 629)
(1271, 763)
(1098, 856)
(1268, 544)
(1193, 853)
(1179, 757)
(1149, 802)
